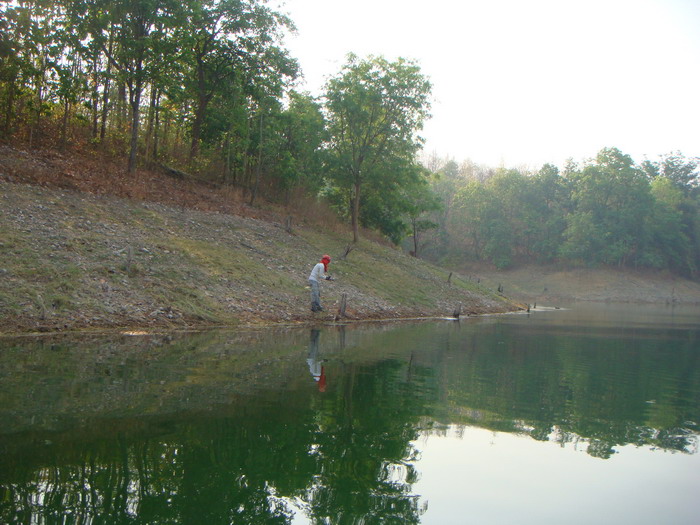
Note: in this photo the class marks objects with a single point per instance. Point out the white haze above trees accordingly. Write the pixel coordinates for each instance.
(521, 84)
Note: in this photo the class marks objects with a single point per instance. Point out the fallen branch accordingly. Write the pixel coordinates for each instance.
(175, 173)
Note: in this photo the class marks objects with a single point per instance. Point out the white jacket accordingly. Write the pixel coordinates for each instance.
(318, 273)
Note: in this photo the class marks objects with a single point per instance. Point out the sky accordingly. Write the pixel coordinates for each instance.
(521, 83)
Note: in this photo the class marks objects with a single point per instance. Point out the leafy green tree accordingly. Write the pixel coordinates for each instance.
(136, 27)
(37, 46)
(682, 173)
(421, 201)
(504, 216)
(549, 196)
(297, 154)
(231, 41)
(473, 222)
(611, 197)
(667, 244)
(675, 167)
(389, 203)
(444, 184)
(375, 109)
(12, 64)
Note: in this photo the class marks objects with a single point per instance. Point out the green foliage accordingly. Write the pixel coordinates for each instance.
(93, 60)
(231, 43)
(294, 150)
(610, 211)
(615, 197)
(375, 109)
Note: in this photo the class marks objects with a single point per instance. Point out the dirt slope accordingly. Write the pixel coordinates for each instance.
(74, 260)
(551, 285)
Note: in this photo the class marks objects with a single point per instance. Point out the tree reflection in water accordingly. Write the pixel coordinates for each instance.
(215, 428)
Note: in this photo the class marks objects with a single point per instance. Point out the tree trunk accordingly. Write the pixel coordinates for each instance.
(197, 127)
(121, 106)
(151, 120)
(35, 122)
(134, 135)
(105, 109)
(135, 101)
(356, 213)
(64, 124)
(7, 126)
(415, 238)
(258, 168)
(105, 94)
(156, 128)
(203, 99)
(227, 158)
(95, 98)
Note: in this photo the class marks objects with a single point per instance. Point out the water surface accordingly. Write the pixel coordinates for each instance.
(580, 415)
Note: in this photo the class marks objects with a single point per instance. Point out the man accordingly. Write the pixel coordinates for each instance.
(319, 272)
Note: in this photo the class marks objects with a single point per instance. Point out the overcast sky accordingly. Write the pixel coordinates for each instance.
(520, 83)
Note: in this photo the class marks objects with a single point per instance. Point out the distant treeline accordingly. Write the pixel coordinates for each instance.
(608, 211)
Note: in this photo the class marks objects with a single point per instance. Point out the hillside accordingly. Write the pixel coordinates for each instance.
(551, 285)
(84, 248)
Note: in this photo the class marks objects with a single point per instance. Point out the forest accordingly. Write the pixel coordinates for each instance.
(606, 211)
(208, 90)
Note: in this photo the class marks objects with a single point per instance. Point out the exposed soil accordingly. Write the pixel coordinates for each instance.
(551, 285)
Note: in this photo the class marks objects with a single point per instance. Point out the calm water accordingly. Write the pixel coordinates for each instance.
(587, 415)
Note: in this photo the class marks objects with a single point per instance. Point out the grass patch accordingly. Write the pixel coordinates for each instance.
(192, 303)
(223, 262)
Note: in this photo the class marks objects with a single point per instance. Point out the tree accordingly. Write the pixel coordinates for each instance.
(375, 109)
(295, 145)
(612, 197)
(12, 64)
(136, 28)
(667, 245)
(675, 167)
(391, 203)
(444, 184)
(231, 41)
(548, 198)
(421, 200)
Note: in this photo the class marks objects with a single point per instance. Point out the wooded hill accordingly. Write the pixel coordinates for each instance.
(205, 91)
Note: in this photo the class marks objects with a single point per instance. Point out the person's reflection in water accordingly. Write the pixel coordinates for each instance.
(314, 361)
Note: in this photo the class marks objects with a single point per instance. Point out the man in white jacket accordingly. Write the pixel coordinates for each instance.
(319, 272)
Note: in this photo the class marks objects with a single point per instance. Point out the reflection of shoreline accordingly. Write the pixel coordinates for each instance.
(511, 375)
(681, 440)
(498, 475)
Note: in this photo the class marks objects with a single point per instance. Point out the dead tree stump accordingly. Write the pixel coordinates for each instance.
(341, 308)
(348, 249)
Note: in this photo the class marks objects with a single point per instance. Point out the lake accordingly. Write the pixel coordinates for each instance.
(580, 415)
